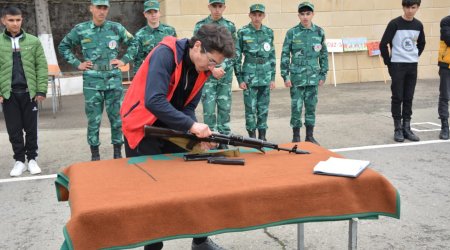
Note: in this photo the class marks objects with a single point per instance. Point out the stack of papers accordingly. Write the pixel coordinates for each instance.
(341, 167)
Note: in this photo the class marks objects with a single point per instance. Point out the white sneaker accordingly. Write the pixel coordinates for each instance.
(18, 169)
(33, 167)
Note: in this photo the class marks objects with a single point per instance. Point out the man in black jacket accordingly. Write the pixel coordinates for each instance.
(406, 39)
(444, 73)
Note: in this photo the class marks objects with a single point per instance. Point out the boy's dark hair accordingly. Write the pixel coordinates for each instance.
(409, 3)
(305, 9)
(215, 37)
(11, 10)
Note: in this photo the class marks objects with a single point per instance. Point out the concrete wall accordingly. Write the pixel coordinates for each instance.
(339, 18)
(65, 14)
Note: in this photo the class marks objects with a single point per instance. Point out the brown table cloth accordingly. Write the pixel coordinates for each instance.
(135, 201)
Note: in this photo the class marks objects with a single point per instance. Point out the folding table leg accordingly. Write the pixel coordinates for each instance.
(58, 90)
(353, 234)
(300, 236)
(54, 97)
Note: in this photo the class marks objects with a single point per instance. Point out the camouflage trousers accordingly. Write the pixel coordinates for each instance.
(94, 101)
(307, 96)
(256, 101)
(217, 93)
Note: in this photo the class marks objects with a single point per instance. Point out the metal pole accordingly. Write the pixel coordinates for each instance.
(54, 96)
(353, 234)
(300, 236)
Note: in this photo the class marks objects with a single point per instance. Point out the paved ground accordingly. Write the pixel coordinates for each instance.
(349, 116)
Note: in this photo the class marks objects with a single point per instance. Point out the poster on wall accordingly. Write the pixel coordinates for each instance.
(334, 45)
(354, 44)
(373, 48)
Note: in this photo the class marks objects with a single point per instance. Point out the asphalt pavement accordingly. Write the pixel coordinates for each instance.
(352, 119)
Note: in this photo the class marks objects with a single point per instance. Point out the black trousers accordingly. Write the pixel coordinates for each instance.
(404, 78)
(154, 146)
(21, 114)
(444, 92)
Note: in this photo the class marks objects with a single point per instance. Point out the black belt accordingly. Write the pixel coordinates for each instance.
(103, 67)
(305, 62)
(19, 91)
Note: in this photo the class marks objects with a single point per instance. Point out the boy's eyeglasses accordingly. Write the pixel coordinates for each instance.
(211, 62)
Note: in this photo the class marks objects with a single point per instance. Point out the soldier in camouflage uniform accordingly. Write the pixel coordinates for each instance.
(257, 75)
(102, 79)
(149, 36)
(217, 90)
(304, 65)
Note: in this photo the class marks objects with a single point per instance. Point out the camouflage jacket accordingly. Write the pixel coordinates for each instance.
(304, 56)
(259, 54)
(99, 44)
(228, 63)
(146, 39)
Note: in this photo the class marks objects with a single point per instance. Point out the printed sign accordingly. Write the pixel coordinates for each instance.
(334, 45)
(355, 44)
(373, 48)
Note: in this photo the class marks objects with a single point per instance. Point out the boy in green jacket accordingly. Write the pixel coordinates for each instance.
(23, 82)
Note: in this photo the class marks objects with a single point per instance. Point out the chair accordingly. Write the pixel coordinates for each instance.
(54, 74)
(126, 68)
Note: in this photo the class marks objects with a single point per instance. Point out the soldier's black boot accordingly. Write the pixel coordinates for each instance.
(407, 133)
(262, 134)
(309, 134)
(398, 132)
(117, 151)
(251, 133)
(444, 129)
(95, 154)
(295, 134)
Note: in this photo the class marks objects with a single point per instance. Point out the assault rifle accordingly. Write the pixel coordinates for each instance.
(233, 140)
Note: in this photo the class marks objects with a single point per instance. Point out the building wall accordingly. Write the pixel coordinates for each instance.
(339, 18)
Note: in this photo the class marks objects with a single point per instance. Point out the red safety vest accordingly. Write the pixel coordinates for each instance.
(133, 112)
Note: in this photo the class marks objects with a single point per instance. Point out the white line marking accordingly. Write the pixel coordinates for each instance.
(390, 145)
(431, 123)
(425, 130)
(435, 124)
(31, 178)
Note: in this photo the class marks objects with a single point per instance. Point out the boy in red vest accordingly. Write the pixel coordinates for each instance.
(165, 92)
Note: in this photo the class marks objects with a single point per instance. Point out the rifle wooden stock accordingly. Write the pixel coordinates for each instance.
(233, 140)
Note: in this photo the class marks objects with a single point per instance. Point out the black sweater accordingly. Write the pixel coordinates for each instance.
(406, 39)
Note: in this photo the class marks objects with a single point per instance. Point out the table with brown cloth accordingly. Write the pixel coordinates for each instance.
(131, 202)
